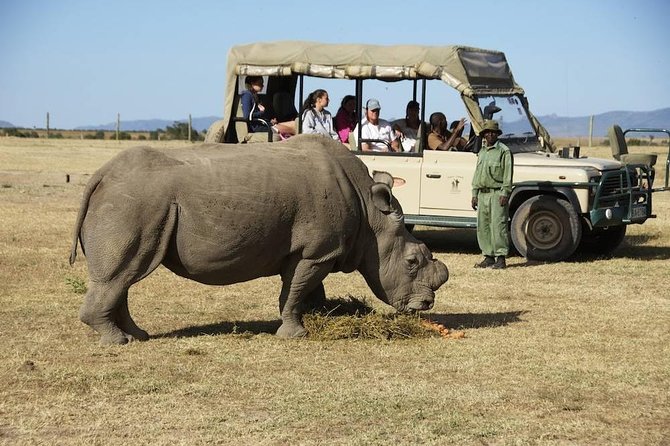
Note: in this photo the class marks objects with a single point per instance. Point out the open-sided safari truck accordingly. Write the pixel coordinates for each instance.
(562, 200)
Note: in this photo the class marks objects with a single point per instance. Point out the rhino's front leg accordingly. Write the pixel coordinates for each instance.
(298, 283)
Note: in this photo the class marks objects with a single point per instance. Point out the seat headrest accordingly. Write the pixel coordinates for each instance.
(617, 142)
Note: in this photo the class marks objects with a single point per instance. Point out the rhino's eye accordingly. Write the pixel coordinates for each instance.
(412, 263)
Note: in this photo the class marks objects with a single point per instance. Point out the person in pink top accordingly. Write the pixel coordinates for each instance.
(345, 119)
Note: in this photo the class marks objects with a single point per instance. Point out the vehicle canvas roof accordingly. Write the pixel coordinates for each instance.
(471, 71)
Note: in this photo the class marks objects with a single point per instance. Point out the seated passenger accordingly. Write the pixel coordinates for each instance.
(254, 110)
(442, 139)
(345, 119)
(376, 128)
(315, 118)
(408, 128)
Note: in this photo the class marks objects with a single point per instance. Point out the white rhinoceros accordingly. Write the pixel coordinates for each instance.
(221, 214)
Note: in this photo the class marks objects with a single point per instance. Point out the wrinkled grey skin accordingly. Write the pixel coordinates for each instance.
(221, 214)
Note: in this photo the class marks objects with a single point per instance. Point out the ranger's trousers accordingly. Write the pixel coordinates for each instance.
(492, 219)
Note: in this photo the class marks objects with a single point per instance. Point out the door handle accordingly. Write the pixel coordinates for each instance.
(433, 175)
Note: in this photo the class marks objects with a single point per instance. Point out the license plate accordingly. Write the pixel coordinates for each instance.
(638, 212)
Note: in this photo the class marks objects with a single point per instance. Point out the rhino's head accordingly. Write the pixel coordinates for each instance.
(399, 269)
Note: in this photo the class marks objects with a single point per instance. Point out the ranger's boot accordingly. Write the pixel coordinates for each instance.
(486, 263)
(500, 263)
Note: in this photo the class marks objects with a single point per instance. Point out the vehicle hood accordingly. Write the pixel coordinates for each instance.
(554, 160)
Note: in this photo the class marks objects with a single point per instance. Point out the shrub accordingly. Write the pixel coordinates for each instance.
(97, 135)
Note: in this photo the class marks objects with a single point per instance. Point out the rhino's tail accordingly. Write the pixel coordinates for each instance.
(83, 209)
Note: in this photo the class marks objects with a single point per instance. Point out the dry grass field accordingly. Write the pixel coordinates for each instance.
(570, 353)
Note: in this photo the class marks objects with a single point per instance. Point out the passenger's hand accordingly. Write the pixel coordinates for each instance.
(474, 203)
(461, 124)
(261, 107)
(503, 200)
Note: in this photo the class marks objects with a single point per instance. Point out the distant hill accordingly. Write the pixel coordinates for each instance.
(5, 124)
(556, 125)
(579, 126)
(199, 124)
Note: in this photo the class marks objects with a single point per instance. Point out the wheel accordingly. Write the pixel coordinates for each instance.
(602, 241)
(546, 228)
(215, 132)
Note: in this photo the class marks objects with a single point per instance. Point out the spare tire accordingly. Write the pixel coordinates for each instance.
(215, 132)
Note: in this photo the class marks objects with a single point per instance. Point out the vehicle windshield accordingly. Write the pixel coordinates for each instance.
(518, 133)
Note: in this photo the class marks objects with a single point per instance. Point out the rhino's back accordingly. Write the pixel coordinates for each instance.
(245, 208)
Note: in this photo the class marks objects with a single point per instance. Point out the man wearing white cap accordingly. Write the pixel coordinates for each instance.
(378, 129)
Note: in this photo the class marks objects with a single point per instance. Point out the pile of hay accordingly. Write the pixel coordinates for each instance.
(351, 318)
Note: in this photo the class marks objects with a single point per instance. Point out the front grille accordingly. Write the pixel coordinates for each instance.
(614, 188)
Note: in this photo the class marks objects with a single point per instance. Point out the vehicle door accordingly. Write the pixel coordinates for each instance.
(446, 179)
(406, 171)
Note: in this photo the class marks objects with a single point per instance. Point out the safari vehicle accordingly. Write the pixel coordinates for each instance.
(562, 201)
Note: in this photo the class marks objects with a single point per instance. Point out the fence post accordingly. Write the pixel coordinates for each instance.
(591, 131)
(118, 125)
(47, 125)
(189, 127)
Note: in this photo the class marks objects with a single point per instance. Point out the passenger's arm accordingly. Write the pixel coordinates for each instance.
(455, 136)
(308, 122)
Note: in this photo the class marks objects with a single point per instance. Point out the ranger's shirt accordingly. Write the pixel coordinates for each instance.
(494, 169)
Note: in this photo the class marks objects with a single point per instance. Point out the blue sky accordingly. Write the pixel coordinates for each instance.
(85, 60)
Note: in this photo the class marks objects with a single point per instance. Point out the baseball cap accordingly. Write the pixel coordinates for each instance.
(373, 104)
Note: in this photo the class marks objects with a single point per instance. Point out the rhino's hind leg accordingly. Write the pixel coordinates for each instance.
(100, 311)
(126, 323)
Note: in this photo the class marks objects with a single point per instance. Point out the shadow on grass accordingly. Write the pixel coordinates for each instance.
(253, 327)
(477, 320)
(453, 321)
(449, 240)
(464, 241)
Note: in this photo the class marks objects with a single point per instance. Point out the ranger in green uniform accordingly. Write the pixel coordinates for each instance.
(491, 188)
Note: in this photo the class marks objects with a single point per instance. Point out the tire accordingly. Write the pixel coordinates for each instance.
(602, 241)
(546, 228)
(215, 132)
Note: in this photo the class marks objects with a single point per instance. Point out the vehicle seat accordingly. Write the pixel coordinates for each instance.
(283, 106)
(242, 130)
(620, 149)
(421, 138)
(352, 139)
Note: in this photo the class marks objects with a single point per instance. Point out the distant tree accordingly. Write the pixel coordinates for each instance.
(179, 130)
(21, 134)
(155, 135)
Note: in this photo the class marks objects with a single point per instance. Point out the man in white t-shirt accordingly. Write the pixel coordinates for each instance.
(375, 128)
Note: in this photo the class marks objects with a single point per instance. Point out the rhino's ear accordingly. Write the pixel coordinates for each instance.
(382, 177)
(382, 196)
